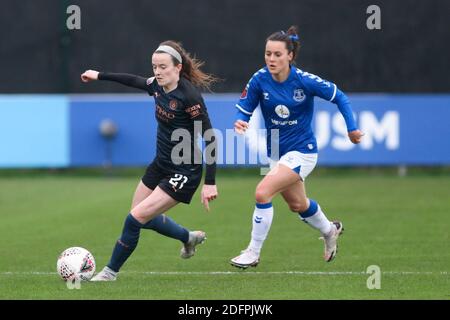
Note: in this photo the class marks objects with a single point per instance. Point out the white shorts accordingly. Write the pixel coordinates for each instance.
(301, 163)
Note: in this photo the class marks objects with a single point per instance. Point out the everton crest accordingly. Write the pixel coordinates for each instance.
(299, 95)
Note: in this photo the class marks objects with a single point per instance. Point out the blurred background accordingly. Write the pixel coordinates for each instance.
(39, 54)
(396, 75)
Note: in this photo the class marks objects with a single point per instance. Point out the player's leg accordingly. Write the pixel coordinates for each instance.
(309, 210)
(162, 224)
(276, 181)
(181, 185)
(140, 194)
(158, 201)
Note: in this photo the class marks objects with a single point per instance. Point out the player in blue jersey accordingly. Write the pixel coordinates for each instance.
(285, 95)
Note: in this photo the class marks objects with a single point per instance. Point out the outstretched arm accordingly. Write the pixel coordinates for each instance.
(129, 80)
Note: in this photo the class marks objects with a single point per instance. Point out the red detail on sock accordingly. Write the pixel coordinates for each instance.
(122, 244)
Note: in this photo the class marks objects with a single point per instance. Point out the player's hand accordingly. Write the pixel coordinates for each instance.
(209, 193)
(89, 75)
(240, 126)
(355, 136)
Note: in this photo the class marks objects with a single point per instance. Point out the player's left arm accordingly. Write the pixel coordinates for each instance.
(329, 91)
(197, 111)
(209, 189)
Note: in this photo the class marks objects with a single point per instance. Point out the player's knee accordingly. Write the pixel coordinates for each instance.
(142, 212)
(262, 195)
(298, 206)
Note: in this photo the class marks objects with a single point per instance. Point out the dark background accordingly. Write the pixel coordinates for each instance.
(38, 54)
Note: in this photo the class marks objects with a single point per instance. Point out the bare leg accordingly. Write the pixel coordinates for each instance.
(142, 192)
(162, 224)
(295, 197)
(156, 203)
(278, 179)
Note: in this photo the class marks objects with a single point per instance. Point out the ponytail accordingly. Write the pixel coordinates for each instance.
(191, 67)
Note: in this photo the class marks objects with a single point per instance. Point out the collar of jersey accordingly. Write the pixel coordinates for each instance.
(289, 78)
(174, 93)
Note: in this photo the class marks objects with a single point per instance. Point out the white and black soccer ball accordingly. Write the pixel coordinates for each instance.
(76, 263)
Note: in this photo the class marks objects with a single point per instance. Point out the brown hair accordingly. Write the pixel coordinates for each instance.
(191, 67)
(290, 38)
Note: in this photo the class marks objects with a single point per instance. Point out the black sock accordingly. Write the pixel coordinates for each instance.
(167, 227)
(126, 244)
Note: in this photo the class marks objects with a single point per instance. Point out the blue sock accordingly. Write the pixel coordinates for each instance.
(167, 227)
(126, 244)
(313, 206)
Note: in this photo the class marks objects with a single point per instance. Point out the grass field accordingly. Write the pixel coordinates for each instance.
(399, 224)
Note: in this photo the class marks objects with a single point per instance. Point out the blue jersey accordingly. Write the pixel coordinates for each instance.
(289, 106)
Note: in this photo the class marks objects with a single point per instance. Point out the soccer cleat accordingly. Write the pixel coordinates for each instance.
(195, 238)
(105, 275)
(247, 258)
(330, 240)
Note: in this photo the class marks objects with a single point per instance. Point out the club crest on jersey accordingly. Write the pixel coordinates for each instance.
(173, 104)
(299, 95)
(282, 111)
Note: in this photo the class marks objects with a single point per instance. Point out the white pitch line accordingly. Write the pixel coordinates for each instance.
(331, 273)
(307, 273)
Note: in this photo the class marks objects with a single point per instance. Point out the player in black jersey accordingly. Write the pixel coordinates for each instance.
(176, 171)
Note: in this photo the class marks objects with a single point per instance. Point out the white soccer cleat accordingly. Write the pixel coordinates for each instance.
(105, 275)
(247, 258)
(330, 240)
(195, 238)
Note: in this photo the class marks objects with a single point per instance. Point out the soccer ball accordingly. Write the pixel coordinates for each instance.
(75, 263)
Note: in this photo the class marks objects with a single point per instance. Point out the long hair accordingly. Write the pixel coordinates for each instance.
(191, 67)
(290, 38)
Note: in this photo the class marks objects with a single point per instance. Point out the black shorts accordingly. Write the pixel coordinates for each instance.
(179, 183)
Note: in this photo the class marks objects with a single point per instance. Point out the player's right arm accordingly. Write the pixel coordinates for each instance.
(129, 80)
(247, 104)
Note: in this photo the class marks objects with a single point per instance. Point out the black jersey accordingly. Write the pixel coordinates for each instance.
(182, 108)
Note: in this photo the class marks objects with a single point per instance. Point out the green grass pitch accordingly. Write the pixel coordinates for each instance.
(398, 224)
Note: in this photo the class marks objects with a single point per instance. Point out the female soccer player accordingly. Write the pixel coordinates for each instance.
(286, 97)
(172, 177)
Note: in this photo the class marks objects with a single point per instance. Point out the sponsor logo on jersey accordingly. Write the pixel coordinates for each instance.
(194, 111)
(299, 95)
(282, 111)
(163, 114)
(283, 123)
